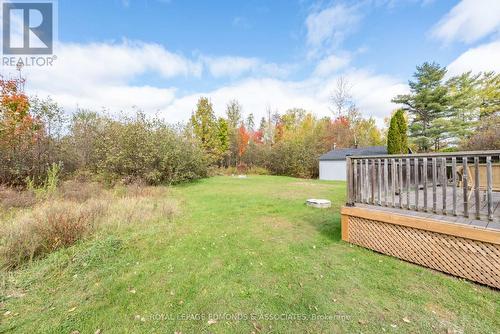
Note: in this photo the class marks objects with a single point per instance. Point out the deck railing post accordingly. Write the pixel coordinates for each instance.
(400, 186)
(386, 182)
(417, 183)
(355, 180)
(434, 185)
(408, 183)
(444, 183)
(465, 185)
(348, 166)
(489, 186)
(425, 175)
(396, 181)
(454, 180)
(372, 182)
(476, 188)
(379, 182)
(393, 182)
(367, 181)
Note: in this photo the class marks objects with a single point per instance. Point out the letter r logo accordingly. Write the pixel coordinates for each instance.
(27, 28)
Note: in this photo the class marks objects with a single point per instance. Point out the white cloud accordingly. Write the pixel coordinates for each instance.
(485, 57)
(373, 94)
(328, 27)
(469, 21)
(230, 66)
(104, 75)
(331, 64)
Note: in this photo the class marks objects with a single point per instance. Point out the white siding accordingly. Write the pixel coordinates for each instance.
(332, 170)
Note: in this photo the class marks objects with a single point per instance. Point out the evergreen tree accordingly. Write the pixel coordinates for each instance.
(427, 104)
(393, 143)
(397, 142)
(464, 106)
(250, 123)
(403, 130)
(489, 94)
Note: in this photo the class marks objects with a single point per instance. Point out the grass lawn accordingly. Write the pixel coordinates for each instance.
(247, 254)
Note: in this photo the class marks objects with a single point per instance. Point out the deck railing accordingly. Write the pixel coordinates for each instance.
(459, 183)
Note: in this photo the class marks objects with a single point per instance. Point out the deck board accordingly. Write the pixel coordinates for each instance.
(448, 217)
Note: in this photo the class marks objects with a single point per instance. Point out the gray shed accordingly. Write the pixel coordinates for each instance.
(332, 165)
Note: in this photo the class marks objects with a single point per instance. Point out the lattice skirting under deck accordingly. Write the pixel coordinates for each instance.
(472, 259)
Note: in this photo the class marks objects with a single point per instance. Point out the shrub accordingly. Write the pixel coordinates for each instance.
(146, 150)
(487, 136)
(78, 191)
(13, 198)
(53, 225)
(258, 171)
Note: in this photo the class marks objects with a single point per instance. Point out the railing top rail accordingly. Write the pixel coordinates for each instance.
(430, 155)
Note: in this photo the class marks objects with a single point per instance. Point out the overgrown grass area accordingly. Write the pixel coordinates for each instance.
(232, 255)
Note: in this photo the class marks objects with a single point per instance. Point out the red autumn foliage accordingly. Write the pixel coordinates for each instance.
(15, 119)
(258, 137)
(244, 138)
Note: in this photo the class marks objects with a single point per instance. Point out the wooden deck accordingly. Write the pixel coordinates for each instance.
(439, 210)
(438, 214)
(463, 248)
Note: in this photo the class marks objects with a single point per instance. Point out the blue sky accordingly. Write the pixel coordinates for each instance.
(161, 55)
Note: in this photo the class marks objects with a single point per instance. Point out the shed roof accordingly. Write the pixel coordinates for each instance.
(342, 153)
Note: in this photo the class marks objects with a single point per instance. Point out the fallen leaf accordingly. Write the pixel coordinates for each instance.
(211, 321)
(72, 309)
(7, 313)
(406, 320)
(257, 326)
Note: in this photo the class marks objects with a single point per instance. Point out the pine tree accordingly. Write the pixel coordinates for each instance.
(427, 104)
(464, 106)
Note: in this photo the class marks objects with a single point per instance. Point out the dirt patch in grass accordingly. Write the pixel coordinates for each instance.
(278, 223)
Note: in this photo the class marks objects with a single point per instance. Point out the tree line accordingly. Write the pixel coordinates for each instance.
(286, 143)
(461, 112)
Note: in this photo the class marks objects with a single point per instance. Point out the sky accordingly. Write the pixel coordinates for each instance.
(160, 56)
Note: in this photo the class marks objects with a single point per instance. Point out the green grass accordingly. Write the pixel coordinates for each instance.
(250, 251)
